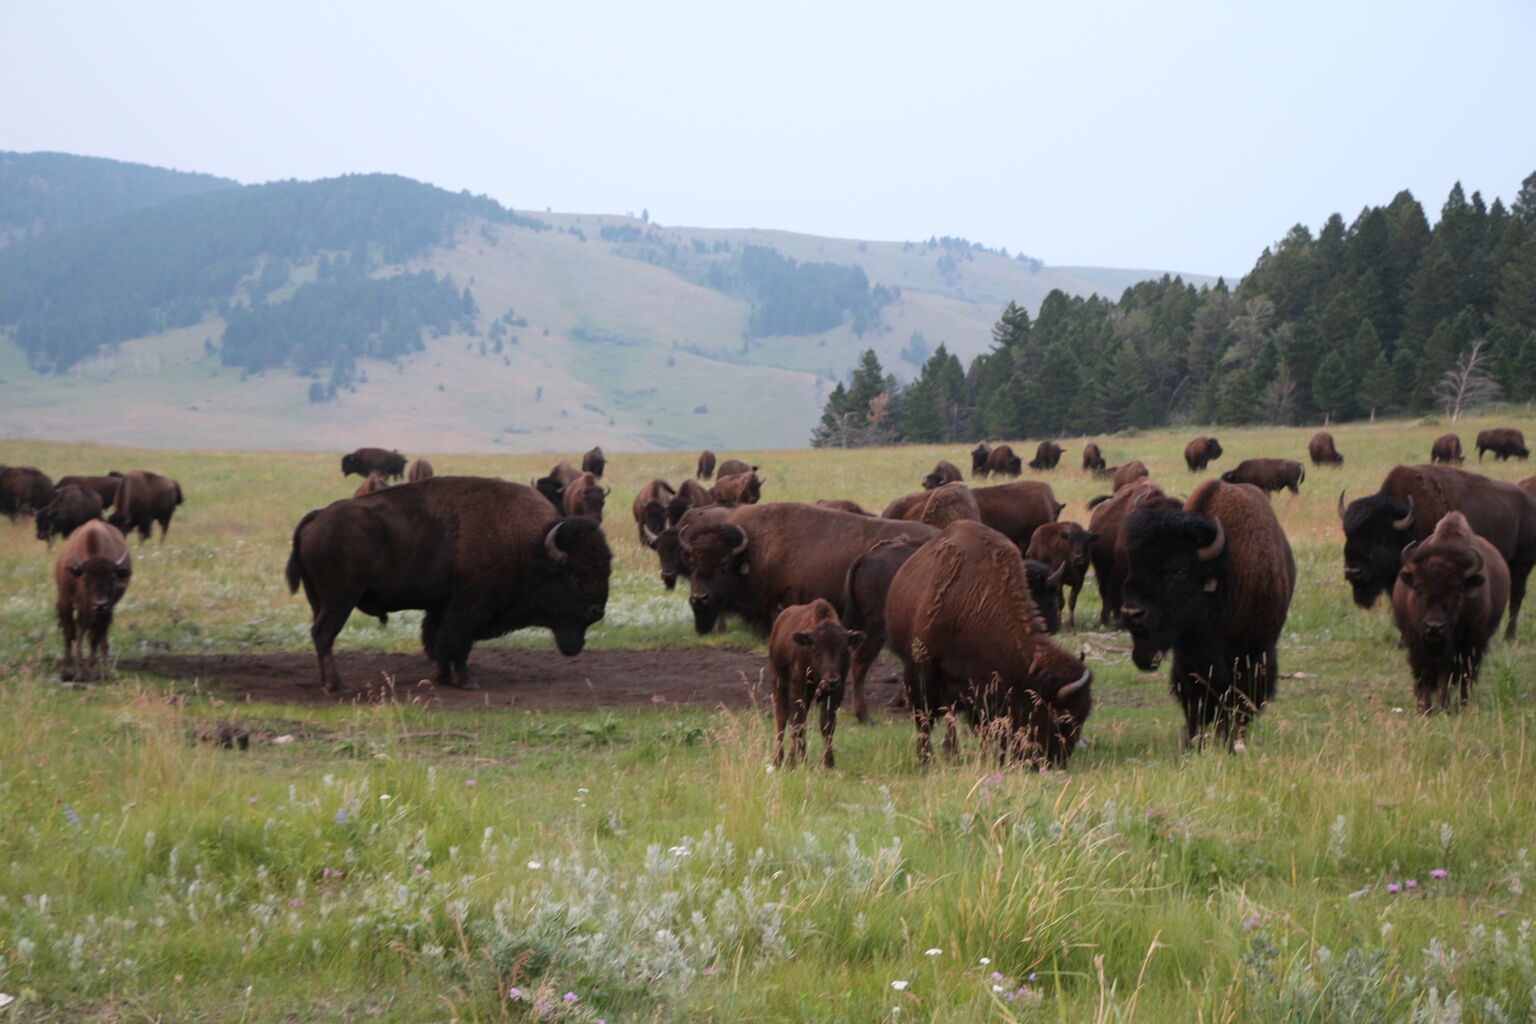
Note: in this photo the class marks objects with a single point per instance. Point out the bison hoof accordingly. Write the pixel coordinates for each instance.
(468, 685)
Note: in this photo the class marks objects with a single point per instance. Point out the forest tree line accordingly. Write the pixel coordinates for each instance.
(1357, 320)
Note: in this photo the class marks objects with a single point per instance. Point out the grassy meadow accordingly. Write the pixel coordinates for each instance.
(398, 862)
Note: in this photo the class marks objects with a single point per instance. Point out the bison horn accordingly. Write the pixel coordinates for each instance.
(551, 546)
(1056, 577)
(75, 557)
(121, 560)
(1341, 504)
(1077, 684)
(607, 491)
(1408, 549)
(1478, 568)
(1215, 547)
(1407, 521)
(649, 535)
(742, 547)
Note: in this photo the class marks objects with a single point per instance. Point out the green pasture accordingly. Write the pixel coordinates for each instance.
(398, 862)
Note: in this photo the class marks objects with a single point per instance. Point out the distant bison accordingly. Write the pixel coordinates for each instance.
(1124, 476)
(420, 470)
(593, 462)
(389, 464)
(104, 486)
(372, 485)
(650, 509)
(482, 557)
(91, 576)
(738, 488)
(690, 494)
(706, 464)
(1201, 452)
(1447, 603)
(1047, 455)
(23, 490)
(980, 456)
(1015, 510)
(72, 506)
(564, 472)
(1322, 450)
(1504, 442)
(143, 499)
(1446, 449)
(1002, 460)
(1064, 546)
(943, 473)
(809, 650)
(584, 496)
(1268, 474)
(733, 467)
(1093, 458)
(553, 490)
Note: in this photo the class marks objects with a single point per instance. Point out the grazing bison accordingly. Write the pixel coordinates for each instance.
(1064, 546)
(23, 490)
(733, 467)
(1322, 450)
(943, 473)
(980, 456)
(844, 505)
(390, 464)
(1093, 458)
(809, 650)
(650, 509)
(482, 557)
(1124, 476)
(969, 636)
(706, 465)
(92, 575)
(1107, 550)
(1268, 474)
(690, 494)
(1412, 499)
(1047, 455)
(143, 499)
(1201, 452)
(1446, 449)
(1447, 603)
(1504, 442)
(584, 496)
(420, 470)
(372, 485)
(593, 461)
(1002, 460)
(738, 489)
(104, 486)
(72, 506)
(1212, 582)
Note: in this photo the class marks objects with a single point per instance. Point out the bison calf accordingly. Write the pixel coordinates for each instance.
(92, 575)
(809, 651)
(1064, 546)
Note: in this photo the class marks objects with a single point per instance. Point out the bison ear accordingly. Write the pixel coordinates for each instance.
(856, 638)
(803, 639)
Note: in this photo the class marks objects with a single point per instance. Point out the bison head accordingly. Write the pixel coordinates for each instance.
(103, 580)
(669, 549)
(570, 588)
(1375, 530)
(831, 648)
(1178, 561)
(552, 489)
(719, 557)
(1045, 588)
(1435, 580)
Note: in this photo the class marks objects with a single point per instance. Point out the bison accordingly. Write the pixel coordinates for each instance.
(865, 589)
(92, 574)
(584, 496)
(1213, 583)
(23, 490)
(104, 486)
(1268, 474)
(1093, 458)
(668, 543)
(944, 472)
(564, 472)
(947, 504)
(1201, 452)
(980, 455)
(969, 636)
(1446, 449)
(1447, 603)
(1002, 460)
(1124, 476)
(650, 509)
(143, 499)
(420, 470)
(809, 650)
(1015, 510)
(706, 467)
(733, 467)
(1107, 550)
(1047, 455)
(481, 557)
(372, 485)
(1045, 587)
(1412, 499)
(391, 464)
(593, 462)
(690, 494)
(1064, 546)
(738, 489)
(844, 505)
(1504, 442)
(553, 490)
(1322, 450)
(72, 506)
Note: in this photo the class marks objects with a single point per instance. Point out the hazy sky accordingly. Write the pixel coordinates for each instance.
(1173, 135)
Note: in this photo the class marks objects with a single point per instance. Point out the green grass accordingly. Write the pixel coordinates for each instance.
(648, 861)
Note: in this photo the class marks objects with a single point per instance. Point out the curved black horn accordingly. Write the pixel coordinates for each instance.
(1407, 521)
(551, 546)
(1341, 504)
(1215, 547)
(1077, 684)
(740, 548)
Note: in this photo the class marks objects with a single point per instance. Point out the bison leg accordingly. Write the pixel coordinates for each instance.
(922, 714)
(454, 639)
(829, 705)
(858, 668)
(780, 716)
(328, 623)
(1519, 576)
(798, 709)
(67, 627)
(430, 624)
(100, 623)
(1072, 607)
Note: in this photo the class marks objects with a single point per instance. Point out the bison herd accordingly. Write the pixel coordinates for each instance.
(966, 585)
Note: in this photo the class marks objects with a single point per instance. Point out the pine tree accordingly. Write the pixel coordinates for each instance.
(1332, 390)
(1378, 388)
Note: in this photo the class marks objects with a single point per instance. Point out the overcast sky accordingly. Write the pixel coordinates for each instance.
(1172, 135)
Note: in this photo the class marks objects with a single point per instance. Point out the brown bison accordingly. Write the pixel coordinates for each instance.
(738, 488)
(1015, 510)
(969, 636)
(1093, 458)
(390, 464)
(372, 485)
(1268, 474)
(1412, 499)
(104, 486)
(733, 467)
(593, 462)
(564, 472)
(1064, 546)
(1124, 476)
(1322, 450)
(809, 651)
(865, 589)
(1504, 442)
(1446, 449)
(668, 543)
(23, 490)
(420, 470)
(1107, 550)
(943, 473)
(584, 496)
(948, 504)
(1047, 455)
(553, 490)
(650, 509)
(706, 467)
(1045, 587)
(1447, 603)
(843, 504)
(1201, 452)
(980, 455)
(72, 506)
(1002, 460)
(1213, 583)
(143, 499)
(690, 494)
(92, 575)
(482, 557)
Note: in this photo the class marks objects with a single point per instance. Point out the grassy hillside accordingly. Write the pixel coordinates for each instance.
(398, 862)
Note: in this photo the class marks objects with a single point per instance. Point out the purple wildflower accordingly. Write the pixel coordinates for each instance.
(515, 994)
(294, 902)
(341, 816)
(1394, 888)
(469, 782)
(1411, 884)
(71, 816)
(570, 997)
(1438, 873)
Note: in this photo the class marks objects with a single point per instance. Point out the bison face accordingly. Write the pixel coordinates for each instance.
(103, 581)
(1432, 590)
(674, 560)
(571, 586)
(718, 554)
(1173, 586)
(831, 649)
(1375, 530)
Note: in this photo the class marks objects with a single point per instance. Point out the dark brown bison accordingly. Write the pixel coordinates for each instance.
(706, 465)
(23, 490)
(1107, 550)
(1015, 510)
(1064, 546)
(1047, 455)
(553, 490)
(420, 470)
(372, 485)
(943, 473)
(690, 494)
(1093, 458)
(738, 488)
(1002, 460)
(650, 509)
(763, 558)
(390, 464)
(91, 575)
(1322, 450)
(584, 496)
(1201, 452)
(1446, 449)
(733, 467)
(481, 557)
(1213, 583)
(969, 636)
(143, 499)
(72, 506)
(564, 471)
(668, 543)
(980, 466)
(1045, 587)
(593, 462)
(1447, 603)
(1412, 499)
(809, 651)
(843, 504)
(865, 590)
(1504, 442)
(1268, 474)
(1124, 476)
(104, 486)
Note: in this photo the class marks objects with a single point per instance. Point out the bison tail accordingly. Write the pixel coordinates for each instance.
(295, 570)
(1101, 499)
(179, 498)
